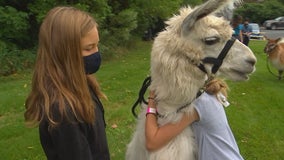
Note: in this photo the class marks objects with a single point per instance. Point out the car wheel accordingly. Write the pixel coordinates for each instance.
(273, 27)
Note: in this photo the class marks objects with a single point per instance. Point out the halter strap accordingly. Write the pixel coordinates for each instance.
(219, 60)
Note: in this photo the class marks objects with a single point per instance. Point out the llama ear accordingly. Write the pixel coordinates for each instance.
(265, 37)
(227, 11)
(278, 39)
(202, 11)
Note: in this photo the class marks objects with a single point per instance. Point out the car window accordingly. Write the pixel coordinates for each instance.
(254, 26)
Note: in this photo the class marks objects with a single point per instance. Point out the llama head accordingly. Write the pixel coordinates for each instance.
(189, 38)
(212, 33)
(271, 44)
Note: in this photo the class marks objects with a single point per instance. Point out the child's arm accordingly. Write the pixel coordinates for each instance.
(156, 136)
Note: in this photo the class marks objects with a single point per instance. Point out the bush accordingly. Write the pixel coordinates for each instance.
(14, 26)
(121, 26)
(14, 60)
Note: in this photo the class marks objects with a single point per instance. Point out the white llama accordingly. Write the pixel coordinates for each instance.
(184, 55)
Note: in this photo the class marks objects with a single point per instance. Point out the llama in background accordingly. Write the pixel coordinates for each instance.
(275, 52)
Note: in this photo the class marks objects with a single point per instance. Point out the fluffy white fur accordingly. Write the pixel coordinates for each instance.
(176, 79)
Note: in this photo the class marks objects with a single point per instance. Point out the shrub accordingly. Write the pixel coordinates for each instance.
(13, 60)
(14, 26)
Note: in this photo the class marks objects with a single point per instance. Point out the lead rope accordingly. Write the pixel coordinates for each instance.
(146, 84)
(144, 87)
(268, 67)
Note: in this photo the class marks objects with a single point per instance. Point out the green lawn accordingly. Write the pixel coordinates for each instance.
(256, 111)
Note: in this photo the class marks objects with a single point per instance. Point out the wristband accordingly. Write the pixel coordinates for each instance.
(151, 111)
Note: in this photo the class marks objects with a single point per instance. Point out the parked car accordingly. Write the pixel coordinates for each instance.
(277, 23)
(256, 34)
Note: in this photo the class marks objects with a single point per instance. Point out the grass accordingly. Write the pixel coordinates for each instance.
(255, 115)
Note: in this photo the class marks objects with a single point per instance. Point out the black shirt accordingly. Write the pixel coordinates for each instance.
(76, 141)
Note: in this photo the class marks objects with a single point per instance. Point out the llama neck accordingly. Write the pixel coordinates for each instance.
(177, 90)
(171, 97)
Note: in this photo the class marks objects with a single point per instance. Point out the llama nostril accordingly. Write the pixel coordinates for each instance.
(251, 61)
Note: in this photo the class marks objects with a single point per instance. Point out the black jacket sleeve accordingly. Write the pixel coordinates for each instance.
(75, 140)
(67, 141)
(72, 143)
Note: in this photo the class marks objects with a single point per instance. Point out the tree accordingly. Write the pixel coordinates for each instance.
(259, 12)
(152, 13)
(14, 26)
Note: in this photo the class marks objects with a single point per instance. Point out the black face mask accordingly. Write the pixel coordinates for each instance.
(92, 62)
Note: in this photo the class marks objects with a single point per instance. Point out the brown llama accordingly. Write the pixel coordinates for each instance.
(275, 52)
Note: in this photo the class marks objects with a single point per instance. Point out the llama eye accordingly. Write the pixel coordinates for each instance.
(211, 40)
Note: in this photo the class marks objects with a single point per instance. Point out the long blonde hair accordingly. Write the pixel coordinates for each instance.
(59, 78)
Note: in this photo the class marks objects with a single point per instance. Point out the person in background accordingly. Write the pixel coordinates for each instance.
(246, 30)
(237, 27)
(65, 97)
(213, 134)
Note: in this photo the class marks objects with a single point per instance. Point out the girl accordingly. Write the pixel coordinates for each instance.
(64, 99)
